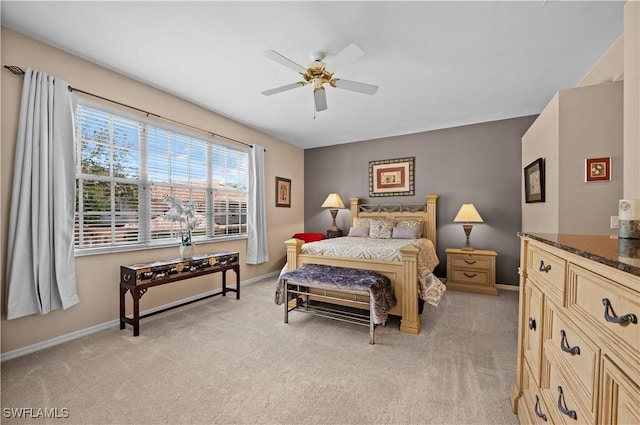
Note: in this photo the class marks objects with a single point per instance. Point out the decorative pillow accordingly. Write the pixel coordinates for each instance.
(360, 222)
(411, 223)
(380, 228)
(359, 232)
(404, 233)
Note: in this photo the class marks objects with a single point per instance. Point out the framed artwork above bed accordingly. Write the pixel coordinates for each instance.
(391, 177)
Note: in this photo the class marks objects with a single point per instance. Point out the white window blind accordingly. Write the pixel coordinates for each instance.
(126, 168)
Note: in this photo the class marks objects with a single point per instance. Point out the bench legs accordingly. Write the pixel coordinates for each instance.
(372, 328)
(358, 319)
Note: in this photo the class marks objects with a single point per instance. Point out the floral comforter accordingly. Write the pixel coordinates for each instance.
(430, 287)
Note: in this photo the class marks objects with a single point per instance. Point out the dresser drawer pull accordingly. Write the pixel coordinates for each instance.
(570, 413)
(470, 274)
(532, 323)
(565, 347)
(627, 318)
(469, 261)
(536, 410)
(544, 268)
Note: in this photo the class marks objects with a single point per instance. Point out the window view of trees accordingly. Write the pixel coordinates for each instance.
(126, 168)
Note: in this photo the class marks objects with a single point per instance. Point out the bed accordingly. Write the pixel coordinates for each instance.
(408, 263)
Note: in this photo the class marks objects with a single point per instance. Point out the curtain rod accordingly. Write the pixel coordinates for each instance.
(19, 71)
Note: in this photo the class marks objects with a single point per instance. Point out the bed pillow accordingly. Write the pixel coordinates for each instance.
(404, 233)
(360, 222)
(380, 228)
(359, 232)
(411, 223)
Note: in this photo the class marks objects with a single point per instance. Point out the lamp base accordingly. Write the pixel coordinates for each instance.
(467, 231)
(334, 226)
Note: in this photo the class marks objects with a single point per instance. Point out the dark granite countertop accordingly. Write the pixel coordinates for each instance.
(622, 254)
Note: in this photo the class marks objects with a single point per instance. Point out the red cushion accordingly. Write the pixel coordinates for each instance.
(309, 237)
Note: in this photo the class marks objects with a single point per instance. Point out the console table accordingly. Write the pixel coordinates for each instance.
(138, 278)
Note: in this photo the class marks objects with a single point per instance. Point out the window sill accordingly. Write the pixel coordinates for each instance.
(84, 252)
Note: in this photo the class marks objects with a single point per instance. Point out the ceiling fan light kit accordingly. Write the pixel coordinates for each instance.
(317, 74)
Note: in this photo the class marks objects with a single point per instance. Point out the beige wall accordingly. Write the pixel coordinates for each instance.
(610, 67)
(632, 100)
(620, 62)
(542, 141)
(97, 275)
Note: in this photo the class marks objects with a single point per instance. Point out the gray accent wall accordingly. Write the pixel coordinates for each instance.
(479, 164)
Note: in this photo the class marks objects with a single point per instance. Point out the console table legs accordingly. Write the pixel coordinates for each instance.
(137, 293)
(224, 283)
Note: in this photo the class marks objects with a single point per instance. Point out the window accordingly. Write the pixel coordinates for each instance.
(125, 169)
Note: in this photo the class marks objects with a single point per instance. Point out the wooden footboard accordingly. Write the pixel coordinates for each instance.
(403, 276)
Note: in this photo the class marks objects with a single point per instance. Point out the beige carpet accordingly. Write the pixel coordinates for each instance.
(227, 361)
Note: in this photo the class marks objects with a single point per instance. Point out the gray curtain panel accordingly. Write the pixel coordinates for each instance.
(41, 274)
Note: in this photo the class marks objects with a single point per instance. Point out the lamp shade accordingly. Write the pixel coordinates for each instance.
(468, 214)
(333, 201)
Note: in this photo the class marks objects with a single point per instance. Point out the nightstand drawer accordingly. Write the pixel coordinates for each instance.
(470, 276)
(472, 271)
(474, 262)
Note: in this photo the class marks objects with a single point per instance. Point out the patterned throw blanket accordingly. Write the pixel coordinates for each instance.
(342, 278)
(430, 287)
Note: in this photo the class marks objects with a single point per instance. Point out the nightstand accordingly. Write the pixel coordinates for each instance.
(472, 271)
(334, 233)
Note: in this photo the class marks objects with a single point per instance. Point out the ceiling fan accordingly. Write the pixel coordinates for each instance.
(317, 74)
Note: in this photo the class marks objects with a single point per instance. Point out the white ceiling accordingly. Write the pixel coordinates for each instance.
(438, 64)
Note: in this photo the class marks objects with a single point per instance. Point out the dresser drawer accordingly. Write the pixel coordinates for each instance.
(473, 262)
(564, 404)
(620, 396)
(532, 332)
(531, 406)
(547, 269)
(577, 355)
(471, 276)
(610, 311)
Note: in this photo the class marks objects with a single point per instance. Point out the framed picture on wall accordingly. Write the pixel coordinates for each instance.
(534, 181)
(597, 169)
(391, 177)
(283, 192)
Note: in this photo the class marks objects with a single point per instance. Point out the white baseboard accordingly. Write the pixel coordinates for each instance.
(97, 328)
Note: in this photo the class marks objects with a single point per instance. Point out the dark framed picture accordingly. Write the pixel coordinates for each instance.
(534, 181)
(283, 192)
(391, 177)
(597, 169)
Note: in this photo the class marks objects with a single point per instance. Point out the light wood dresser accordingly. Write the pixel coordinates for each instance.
(472, 271)
(578, 336)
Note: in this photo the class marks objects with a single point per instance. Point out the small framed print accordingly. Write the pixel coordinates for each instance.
(391, 177)
(283, 192)
(597, 169)
(534, 181)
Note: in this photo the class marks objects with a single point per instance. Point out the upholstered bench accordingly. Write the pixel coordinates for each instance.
(339, 279)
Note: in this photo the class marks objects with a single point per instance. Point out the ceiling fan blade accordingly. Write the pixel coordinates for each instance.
(282, 88)
(273, 55)
(346, 56)
(354, 86)
(320, 99)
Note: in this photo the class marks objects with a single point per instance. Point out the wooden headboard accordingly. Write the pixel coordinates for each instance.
(426, 212)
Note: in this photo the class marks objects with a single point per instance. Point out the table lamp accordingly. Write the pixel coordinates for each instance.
(467, 214)
(333, 202)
